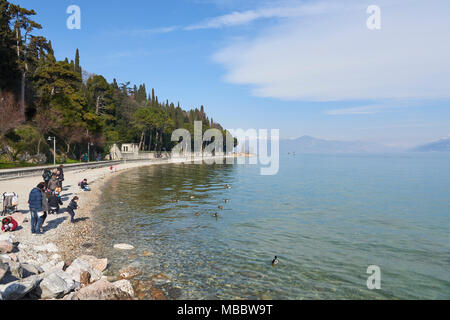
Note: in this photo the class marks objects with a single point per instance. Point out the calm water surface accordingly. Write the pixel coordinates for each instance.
(327, 218)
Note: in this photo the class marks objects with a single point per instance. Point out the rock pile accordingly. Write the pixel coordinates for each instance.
(38, 272)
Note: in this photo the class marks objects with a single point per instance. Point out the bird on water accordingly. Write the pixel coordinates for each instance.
(275, 261)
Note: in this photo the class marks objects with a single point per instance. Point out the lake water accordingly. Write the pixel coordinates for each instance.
(327, 218)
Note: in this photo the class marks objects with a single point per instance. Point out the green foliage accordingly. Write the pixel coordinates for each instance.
(79, 113)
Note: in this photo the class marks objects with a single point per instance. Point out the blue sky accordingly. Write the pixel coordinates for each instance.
(304, 67)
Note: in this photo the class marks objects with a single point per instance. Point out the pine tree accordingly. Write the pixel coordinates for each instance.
(9, 72)
(22, 23)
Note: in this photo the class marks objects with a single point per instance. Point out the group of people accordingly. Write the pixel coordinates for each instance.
(45, 199)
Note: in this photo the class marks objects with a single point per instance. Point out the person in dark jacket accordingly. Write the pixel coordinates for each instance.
(73, 205)
(35, 205)
(45, 209)
(60, 176)
(54, 201)
(47, 175)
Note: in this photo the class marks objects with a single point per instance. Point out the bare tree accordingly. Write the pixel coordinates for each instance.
(10, 118)
(45, 120)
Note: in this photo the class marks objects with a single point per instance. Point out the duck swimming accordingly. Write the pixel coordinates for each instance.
(227, 186)
(275, 261)
(220, 207)
(216, 215)
(197, 214)
(226, 200)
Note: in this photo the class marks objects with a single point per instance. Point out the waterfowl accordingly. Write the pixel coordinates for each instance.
(197, 214)
(227, 186)
(192, 197)
(220, 207)
(226, 200)
(275, 261)
(216, 215)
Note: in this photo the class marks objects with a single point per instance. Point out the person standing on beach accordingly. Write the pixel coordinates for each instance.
(73, 205)
(35, 205)
(45, 209)
(53, 183)
(60, 177)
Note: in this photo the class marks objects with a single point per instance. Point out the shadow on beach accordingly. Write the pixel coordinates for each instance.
(53, 224)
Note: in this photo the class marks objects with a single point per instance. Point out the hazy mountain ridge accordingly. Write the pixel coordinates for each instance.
(442, 145)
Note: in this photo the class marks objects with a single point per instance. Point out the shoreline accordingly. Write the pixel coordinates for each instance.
(71, 240)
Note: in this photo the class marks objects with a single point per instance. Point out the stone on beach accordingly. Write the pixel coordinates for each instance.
(16, 270)
(49, 247)
(125, 285)
(53, 287)
(6, 246)
(99, 264)
(7, 237)
(123, 246)
(18, 289)
(31, 269)
(78, 266)
(147, 253)
(101, 290)
(129, 272)
(52, 266)
(4, 268)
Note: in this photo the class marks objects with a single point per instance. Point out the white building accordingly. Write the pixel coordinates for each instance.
(130, 148)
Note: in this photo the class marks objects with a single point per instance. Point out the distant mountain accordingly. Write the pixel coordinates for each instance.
(442, 145)
(307, 144)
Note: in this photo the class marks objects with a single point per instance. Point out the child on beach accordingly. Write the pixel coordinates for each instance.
(84, 185)
(73, 205)
(9, 224)
(54, 201)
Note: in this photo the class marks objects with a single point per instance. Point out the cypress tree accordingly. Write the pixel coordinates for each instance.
(77, 63)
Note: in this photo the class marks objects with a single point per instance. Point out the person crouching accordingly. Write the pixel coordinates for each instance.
(9, 224)
(84, 185)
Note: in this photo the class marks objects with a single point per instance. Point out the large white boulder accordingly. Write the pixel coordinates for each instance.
(53, 287)
(78, 266)
(18, 289)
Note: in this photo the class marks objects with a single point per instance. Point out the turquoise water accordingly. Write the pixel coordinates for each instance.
(327, 218)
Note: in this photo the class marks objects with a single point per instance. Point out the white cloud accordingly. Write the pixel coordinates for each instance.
(326, 53)
(356, 110)
(239, 18)
(152, 31)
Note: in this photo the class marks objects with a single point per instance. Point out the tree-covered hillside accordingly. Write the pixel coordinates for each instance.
(41, 97)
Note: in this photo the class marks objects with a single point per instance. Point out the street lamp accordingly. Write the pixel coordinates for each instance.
(54, 148)
(89, 145)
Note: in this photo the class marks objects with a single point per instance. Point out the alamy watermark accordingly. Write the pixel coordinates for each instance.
(374, 280)
(374, 20)
(74, 20)
(208, 147)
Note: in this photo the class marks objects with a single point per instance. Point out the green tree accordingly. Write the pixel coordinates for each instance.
(23, 28)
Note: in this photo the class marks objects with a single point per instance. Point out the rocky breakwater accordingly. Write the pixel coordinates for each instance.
(30, 271)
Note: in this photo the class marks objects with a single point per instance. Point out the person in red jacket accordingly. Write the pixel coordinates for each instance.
(9, 224)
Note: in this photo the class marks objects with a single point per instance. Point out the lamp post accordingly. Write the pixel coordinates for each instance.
(89, 145)
(54, 148)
